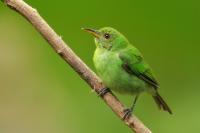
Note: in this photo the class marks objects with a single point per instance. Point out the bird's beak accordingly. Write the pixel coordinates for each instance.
(95, 33)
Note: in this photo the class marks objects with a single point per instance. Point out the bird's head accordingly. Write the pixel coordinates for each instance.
(108, 38)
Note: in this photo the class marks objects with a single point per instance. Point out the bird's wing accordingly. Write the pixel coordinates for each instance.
(133, 63)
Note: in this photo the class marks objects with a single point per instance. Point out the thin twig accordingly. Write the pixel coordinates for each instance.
(74, 61)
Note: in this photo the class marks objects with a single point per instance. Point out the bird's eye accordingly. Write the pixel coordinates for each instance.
(106, 36)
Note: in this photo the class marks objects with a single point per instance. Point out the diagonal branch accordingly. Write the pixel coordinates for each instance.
(74, 61)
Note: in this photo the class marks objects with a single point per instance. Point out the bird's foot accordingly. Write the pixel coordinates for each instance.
(103, 91)
(127, 113)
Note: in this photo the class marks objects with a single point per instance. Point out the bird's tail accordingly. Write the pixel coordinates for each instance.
(161, 103)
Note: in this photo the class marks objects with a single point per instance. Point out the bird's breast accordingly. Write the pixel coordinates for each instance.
(109, 68)
(106, 63)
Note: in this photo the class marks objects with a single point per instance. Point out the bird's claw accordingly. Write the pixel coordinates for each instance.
(127, 113)
(103, 91)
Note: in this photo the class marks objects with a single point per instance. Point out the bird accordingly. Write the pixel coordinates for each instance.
(122, 67)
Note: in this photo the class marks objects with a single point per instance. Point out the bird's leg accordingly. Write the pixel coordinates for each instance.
(128, 111)
(103, 91)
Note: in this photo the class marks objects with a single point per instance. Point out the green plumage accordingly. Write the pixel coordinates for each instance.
(121, 66)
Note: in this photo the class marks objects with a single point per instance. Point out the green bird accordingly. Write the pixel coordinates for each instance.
(122, 68)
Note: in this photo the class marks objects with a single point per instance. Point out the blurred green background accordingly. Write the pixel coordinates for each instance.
(40, 93)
